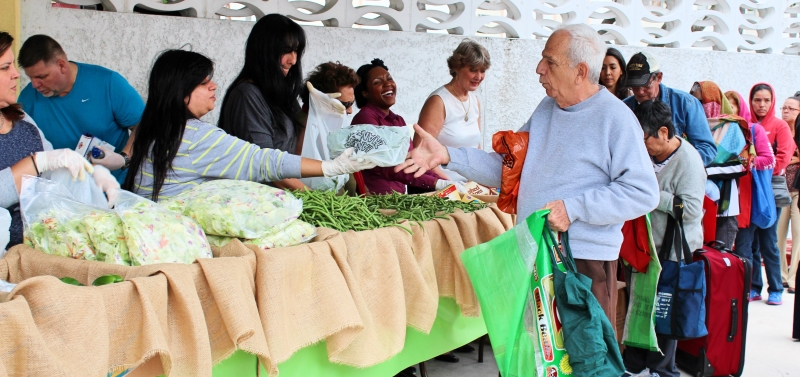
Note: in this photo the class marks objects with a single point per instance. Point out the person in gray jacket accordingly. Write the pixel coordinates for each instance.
(585, 161)
(681, 174)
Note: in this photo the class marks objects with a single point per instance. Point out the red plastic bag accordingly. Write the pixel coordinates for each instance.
(513, 146)
(635, 247)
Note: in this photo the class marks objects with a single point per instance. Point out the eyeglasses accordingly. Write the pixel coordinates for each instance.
(347, 104)
(787, 108)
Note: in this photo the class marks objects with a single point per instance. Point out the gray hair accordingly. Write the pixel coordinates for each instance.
(585, 46)
(468, 54)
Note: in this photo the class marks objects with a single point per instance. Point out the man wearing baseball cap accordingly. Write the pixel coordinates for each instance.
(644, 79)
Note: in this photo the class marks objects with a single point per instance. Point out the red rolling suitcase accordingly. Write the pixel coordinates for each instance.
(721, 352)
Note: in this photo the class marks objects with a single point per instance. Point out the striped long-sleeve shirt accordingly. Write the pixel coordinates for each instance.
(207, 153)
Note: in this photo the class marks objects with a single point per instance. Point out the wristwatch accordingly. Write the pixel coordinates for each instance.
(127, 159)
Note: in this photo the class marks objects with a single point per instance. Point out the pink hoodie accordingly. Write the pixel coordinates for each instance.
(778, 133)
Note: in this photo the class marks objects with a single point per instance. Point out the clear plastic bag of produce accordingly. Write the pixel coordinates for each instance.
(85, 191)
(157, 235)
(385, 146)
(240, 209)
(108, 237)
(323, 118)
(51, 219)
(295, 233)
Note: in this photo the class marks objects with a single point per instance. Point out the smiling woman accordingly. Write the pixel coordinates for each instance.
(452, 113)
(375, 95)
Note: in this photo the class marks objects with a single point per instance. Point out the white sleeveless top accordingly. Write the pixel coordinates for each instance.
(456, 132)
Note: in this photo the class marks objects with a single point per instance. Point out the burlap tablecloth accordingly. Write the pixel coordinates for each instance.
(356, 290)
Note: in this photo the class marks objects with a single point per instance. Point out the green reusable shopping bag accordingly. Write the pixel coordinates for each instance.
(588, 335)
(640, 327)
(513, 278)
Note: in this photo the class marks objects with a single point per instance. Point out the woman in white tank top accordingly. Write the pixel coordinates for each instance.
(452, 112)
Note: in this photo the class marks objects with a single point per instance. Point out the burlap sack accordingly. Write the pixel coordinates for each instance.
(183, 317)
(358, 291)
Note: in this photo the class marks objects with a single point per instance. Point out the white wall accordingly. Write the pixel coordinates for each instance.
(128, 43)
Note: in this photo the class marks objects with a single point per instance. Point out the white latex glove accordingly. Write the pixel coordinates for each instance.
(112, 160)
(442, 183)
(326, 101)
(344, 164)
(63, 158)
(106, 182)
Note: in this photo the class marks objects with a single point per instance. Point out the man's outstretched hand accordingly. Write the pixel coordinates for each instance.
(426, 156)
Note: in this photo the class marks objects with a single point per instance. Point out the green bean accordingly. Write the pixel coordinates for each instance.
(345, 213)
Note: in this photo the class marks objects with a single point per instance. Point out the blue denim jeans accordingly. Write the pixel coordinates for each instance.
(754, 243)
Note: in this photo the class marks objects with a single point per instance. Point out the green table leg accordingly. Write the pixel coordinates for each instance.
(450, 330)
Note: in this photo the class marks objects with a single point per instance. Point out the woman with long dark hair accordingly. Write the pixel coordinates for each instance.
(174, 150)
(614, 74)
(261, 103)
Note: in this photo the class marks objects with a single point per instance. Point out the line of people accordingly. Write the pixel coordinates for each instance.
(731, 142)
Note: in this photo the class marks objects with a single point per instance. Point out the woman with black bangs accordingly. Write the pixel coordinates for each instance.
(175, 150)
(614, 74)
(260, 105)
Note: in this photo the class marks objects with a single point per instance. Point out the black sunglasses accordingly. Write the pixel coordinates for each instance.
(347, 104)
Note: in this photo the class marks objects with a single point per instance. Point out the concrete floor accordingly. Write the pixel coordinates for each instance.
(770, 350)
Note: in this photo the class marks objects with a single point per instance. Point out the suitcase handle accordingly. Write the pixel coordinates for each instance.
(719, 245)
(734, 319)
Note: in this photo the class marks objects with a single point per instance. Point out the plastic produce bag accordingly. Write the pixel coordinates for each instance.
(52, 219)
(295, 233)
(514, 147)
(108, 237)
(85, 191)
(5, 235)
(157, 235)
(324, 117)
(55, 223)
(385, 146)
(240, 209)
(513, 279)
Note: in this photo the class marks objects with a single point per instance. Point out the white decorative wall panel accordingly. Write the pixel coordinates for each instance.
(767, 26)
(128, 44)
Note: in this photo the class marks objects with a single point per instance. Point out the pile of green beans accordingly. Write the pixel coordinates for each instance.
(343, 213)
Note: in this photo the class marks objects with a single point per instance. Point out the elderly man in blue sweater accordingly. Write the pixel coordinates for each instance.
(585, 162)
(688, 116)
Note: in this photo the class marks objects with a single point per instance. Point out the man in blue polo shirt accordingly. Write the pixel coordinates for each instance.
(68, 99)
(688, 117)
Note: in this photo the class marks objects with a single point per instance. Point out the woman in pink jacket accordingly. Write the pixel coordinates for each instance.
(755, 242)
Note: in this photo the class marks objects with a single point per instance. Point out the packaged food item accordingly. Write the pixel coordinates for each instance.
(474, 188)
(385, 146)
(295, 233)
(108, 237)
(239, 209)
(467, 198)
(449, 192)
(514, 147)
(218, 241)
(59, 233)
(157, 235)
(51, 219)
